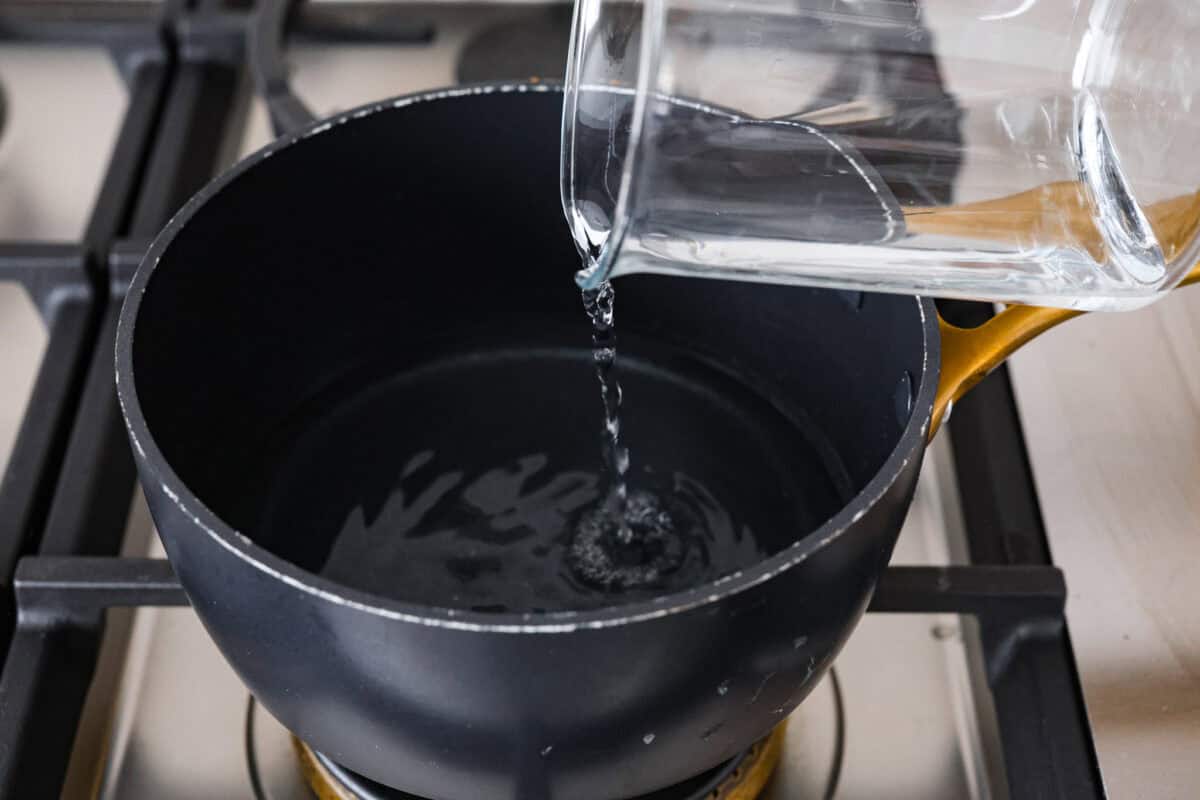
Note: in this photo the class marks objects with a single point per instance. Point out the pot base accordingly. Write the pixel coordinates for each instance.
(742, 778)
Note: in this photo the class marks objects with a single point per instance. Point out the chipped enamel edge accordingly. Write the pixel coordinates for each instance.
(152, 460)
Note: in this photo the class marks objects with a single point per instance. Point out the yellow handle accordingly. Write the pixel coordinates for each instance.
(1056, 212)
(968, 355)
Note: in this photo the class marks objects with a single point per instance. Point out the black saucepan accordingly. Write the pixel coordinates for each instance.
(316, 323)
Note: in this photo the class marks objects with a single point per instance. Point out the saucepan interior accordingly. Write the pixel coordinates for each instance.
(375, 311)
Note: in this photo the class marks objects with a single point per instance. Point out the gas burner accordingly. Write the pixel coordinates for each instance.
(741, 778)
(313, 775)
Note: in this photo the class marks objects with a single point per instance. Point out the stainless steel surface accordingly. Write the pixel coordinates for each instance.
(22, 340)
(914, 725)
(64, 110)
(333, 78)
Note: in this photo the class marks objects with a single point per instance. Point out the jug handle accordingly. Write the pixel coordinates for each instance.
(969, 354)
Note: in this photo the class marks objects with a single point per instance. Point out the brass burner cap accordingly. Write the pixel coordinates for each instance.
(745, 781)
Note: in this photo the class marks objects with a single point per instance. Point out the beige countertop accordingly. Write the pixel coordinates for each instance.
(1111, 409)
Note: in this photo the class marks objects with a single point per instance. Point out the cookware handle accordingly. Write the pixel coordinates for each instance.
(968, 355)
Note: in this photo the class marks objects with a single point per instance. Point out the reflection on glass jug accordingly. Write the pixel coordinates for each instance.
(1013, 150)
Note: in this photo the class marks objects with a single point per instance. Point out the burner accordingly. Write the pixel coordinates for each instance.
(741, 778)
(809, 761)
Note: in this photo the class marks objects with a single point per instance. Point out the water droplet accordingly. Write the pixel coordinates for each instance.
(799, 642)
(903, 398)
(711, 732)
(758, 692)
(723, 688)
(547, 750)
(648, 738)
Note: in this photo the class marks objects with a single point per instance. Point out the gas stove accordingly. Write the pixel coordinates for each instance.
(959, 683)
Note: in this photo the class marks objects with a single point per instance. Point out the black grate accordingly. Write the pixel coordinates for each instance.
(71, 473)
(1048, 747)
(65, 498)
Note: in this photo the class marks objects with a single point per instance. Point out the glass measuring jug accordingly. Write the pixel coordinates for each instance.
(1038, 151)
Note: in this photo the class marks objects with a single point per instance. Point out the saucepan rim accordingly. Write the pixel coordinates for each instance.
(158, 475)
